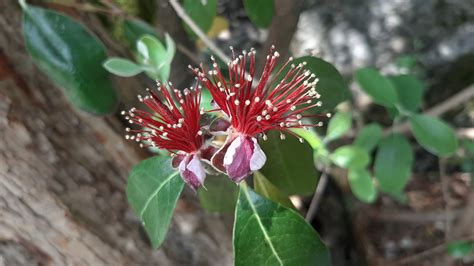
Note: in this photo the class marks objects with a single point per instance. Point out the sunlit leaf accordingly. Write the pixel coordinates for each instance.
(362, 185)
(351, 157)
(122, 67)
(265, 188)
(434, 135)
(339, 124)
(377, 86)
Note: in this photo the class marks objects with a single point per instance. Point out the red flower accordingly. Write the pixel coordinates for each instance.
(174, 125)
(255, 107)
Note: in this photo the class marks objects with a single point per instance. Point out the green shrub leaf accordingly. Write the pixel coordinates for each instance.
(219, 194)
(202, 13)
(351, 157)
(260, 12)
(409, 91)
(153, 189)
(434, 135)
(153, 54)
(362, 185)
(122, 67)
(393, 164)
(289, 173)
(266, 233)
(70, 56)
(265, 188)
(368, 137)
(377, 86)
(339, 125)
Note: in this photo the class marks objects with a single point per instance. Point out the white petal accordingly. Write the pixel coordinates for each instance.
(196, 167)
(258, 158)
(229, 155)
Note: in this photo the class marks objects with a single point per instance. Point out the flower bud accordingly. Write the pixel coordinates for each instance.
(242, 157)
(192, 171)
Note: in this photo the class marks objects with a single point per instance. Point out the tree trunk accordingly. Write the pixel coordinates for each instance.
(63, 175)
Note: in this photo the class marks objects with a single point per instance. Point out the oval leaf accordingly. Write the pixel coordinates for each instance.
(377, 86)
(219, 194)
(393, 164)
(339, 125)
(153, 189)
(265, 188)
(409, 91)
(201, 12)
(289, 173)
(362, 186)
(122, 67)
(369, 137)
(434, 135)
(260, 12)
(266, 233)
(71, 56)
(351, 157)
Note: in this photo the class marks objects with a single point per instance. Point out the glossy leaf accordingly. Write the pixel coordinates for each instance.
(201, 12)
(339, 124)
(362, 185)
(409, 91)
(368, 137)
(351, 157)
(122, 67)
(331, 85)
(70, 56)
(266, 233)
(289, 165)
(434, 135)
(153, 54)
(377, 86)
(219, 194)
(260, 12)
(265, 188)
(153, 189)
(460, 249)
(393, 164)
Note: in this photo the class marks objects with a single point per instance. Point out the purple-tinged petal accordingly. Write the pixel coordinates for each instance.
(237, 158)
(258, 158)
(219, 125)
(192, 171)
(176, 160)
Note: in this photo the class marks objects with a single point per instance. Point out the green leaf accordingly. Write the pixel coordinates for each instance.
(289, 173)
(265, 188)
(310, 136)
(122, 67)
(460, 249)
(409, 90)
(266, 233)
(260, 12)
(377, 86)
(338, 125)
(70, 56)
(331, 85)
(362, 185)
(202, 13)
(219, 195)
(153, 189)
(152, 53)
(393, 164)
(369, 137)
(351, 157)
(434, 135)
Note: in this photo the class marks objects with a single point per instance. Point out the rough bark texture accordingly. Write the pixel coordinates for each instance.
(63, 175)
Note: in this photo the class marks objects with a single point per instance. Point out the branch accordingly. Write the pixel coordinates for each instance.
(451, 103)
(195, 28)
(318, 195)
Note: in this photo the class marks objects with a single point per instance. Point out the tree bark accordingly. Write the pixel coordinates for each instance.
(63, 175)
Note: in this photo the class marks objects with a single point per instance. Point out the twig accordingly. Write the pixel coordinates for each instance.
(429, 252)
(318, 195)
(453, 102)
(400, 216)
(188, 20)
